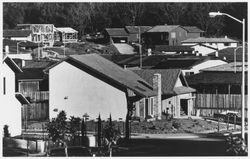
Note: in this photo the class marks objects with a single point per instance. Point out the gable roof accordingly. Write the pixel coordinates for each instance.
(229, 67)
(16, 33)
(169, 78)
(163, 28)
(180, 48)
(182, 62)
(192, 29)
(135, 29)
(216, 78)
(124, 48)
(209, 40)
(116, 32)
(66, 30)
(228, 53)
(107, 69)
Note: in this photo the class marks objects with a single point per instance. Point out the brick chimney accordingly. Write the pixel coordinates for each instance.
(157, 88)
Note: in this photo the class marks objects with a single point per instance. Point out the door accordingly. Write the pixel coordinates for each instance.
(184, 107)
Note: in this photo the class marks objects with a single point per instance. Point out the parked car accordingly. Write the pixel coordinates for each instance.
(72, 151)
(229, 116)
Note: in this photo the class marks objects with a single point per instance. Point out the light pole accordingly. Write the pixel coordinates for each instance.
(214, 14)
(235, 51)
(17, 49)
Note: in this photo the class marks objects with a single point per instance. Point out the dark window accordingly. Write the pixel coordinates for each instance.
(226, 44)
(4, 85)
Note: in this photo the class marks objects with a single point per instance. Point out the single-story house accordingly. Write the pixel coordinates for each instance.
(218, 88)
(94, 85)
(116, 35)
(230, 54)
(190, 64)
(19, 35)
(174, 96)
(217, 43)
(169, 35)
(11, 100)
(202, 49)
(134, 32)
(65, 34)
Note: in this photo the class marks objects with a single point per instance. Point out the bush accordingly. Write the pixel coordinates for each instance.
(6, 131)
(236, 146)
(176, 124)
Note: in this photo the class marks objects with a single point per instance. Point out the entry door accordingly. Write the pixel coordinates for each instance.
(184, 107)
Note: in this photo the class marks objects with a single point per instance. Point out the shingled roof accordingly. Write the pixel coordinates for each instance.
(228, 53)
(209, 40)
(163, 28)
(135, 29)
(229, 67)
(112, 72)
(169, 78)
(16, 33)
(192, 29)
(116, 32)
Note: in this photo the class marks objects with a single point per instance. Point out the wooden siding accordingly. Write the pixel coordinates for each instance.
(37, 96)
(215, 103)
(28, 86)
(36, 111)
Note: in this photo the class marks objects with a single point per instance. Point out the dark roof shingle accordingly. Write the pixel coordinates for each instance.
(135, 29)
(116, 32)
(192, 29)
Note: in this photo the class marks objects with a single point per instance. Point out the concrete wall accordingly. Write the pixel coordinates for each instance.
(78, 92)
(10, 106)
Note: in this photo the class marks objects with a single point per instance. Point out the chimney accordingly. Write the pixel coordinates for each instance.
(149, 51)
(216, 53)
(7, 50)
(157, 88)
(225, 37)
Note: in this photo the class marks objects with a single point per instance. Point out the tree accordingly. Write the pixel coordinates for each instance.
(57, 128)
(74, 127)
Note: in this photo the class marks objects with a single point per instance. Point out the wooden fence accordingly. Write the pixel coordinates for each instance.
(208, 104)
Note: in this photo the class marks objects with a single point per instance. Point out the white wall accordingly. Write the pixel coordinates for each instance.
(218, 46)
(21, 56)
(10, 106)
(28, 38)
(203, 50)
(206, 64)
(86, 94)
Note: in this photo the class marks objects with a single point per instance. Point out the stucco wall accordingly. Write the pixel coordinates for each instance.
(78, 92)
(10, 106)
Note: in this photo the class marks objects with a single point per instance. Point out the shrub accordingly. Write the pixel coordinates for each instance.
(176, 124)
(236, 146)
(6, 131)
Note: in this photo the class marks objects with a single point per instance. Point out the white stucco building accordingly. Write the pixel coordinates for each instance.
(11, 101)
(93, 85)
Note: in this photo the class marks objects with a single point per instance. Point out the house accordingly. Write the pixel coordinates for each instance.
(165, 49)
(116, 35)
(66, 35)
(18, 35)
(189, 64)
(92, 84)
(218, 89)
(11, 101)
(230, 54)
(217, 43)
(174, 95)
(193, 31)
(169, 35)
(41, 33)
(202, 49)
(33, 83)
(134, 32)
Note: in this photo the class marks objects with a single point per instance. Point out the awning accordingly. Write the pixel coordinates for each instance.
(22, 99)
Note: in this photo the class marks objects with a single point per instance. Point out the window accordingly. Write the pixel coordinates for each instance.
(173, 35)
(4, 85)
(189, 73)
(226, 44)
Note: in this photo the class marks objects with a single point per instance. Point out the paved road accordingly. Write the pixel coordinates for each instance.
(175, 147)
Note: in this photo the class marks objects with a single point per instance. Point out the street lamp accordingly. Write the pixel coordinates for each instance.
(17, 46)
(214, 14)
(235, 51)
